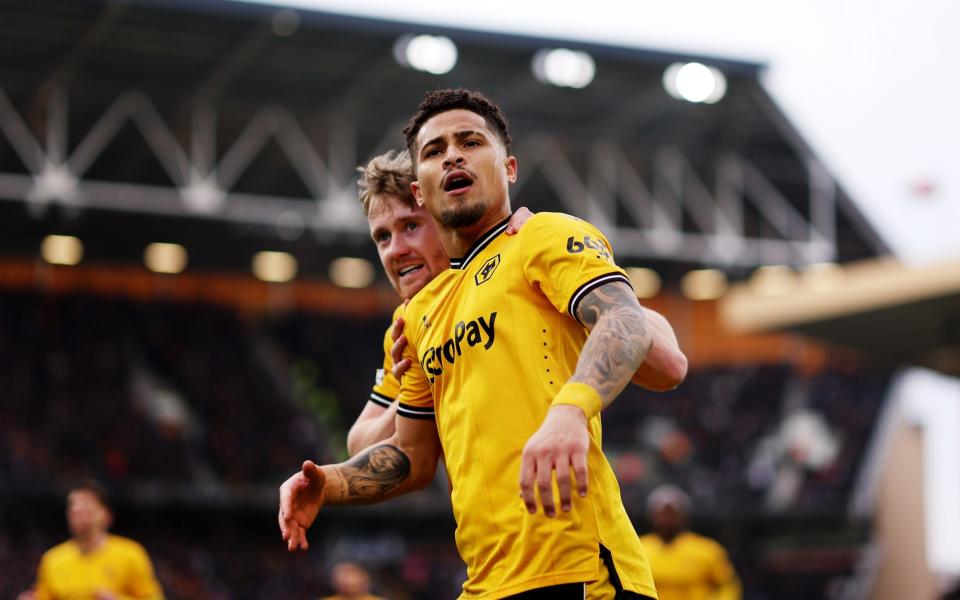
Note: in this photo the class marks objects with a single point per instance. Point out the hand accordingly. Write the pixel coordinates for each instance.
(103, 594)
(400, 364)
(517, 220)
(561, 442)
(27, 595)
(301, 497)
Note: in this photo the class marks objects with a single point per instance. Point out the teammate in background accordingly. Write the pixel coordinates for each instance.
(410, 251)
(476, 336)
(94, 564)
(350, 581)
(685, 566)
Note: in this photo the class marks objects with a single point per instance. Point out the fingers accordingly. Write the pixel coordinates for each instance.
(397, 328)
(545, 487)
(579, 462)
(528, 472)
(563, 485)
(396, 351)
(401, 367)
(517, 220)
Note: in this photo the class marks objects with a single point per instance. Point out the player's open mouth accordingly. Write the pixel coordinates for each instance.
(457, 181)
(407, 270)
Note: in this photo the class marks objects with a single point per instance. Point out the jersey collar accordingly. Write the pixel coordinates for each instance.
(479, 245)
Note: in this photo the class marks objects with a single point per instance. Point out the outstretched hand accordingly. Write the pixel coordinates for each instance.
(301, 497)
(561, 443)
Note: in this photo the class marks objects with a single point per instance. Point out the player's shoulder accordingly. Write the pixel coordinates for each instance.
(125, 544)
(556, 225)
(701, 542)
(61, 551)
(545, 220)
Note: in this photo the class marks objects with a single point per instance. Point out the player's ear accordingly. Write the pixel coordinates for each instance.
(417, 192)
(510, 163)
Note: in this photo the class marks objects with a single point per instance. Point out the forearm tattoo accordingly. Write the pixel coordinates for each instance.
(619, 339)
(373, 473)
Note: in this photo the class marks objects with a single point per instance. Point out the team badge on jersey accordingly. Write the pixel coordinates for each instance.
(486, 271)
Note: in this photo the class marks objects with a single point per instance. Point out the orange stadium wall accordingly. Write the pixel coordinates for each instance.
(698, 327)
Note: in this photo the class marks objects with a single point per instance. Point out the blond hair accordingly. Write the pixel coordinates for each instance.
(387, 174)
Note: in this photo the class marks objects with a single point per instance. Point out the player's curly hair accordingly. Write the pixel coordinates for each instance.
(387, 174)
(438, 101)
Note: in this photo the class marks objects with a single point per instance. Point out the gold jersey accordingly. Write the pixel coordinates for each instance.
(691, 567)
(386, 387)
(119, 565)
(492, 341)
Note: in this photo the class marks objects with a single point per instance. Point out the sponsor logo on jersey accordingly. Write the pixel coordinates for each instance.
(466, 335)
(576, 246)
(486, 271)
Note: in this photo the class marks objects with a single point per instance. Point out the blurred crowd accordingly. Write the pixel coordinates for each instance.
(174, 404)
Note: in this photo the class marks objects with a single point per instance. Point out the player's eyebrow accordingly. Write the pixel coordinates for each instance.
(459, 135)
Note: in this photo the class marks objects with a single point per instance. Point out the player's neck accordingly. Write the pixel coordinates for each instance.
(456, 242)
(89, 543)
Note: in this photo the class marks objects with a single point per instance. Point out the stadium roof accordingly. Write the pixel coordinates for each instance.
(232, 128)
(893, 313)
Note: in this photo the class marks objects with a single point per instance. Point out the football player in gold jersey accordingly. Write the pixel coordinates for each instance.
(515, 351)
(410, 252)
(93, 563)
(685, 565)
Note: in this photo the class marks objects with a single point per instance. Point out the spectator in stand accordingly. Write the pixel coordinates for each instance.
(93, 563)
(685, 566)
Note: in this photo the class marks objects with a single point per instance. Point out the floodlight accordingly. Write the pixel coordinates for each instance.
(695, 82)
(352, 272)
(61, 250)
(275, 267)
(429, 53)
(564, 68)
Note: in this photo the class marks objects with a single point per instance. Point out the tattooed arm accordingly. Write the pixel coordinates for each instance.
(402, 463)
(619, 339)
(618, 343)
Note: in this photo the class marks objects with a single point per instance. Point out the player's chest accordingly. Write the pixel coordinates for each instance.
(466, 316)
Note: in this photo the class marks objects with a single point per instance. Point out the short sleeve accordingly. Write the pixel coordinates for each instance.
(416, 395)
(567, 258)
(386, 387)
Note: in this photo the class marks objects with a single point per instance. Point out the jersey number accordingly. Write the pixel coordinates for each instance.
(575, 246)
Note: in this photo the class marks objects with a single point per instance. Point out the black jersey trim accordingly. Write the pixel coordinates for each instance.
(381, 400)
(480, 244)
(415, 412)
(591, 285)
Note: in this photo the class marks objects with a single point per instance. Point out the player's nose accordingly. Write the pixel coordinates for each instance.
(453, 157)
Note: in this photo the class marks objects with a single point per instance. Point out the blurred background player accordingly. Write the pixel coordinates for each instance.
(94, 564)
(411, 255)
(685, 566)
(350, 581)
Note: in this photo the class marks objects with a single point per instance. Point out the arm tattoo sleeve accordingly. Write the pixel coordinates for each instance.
(618, 340)
(373, 473)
